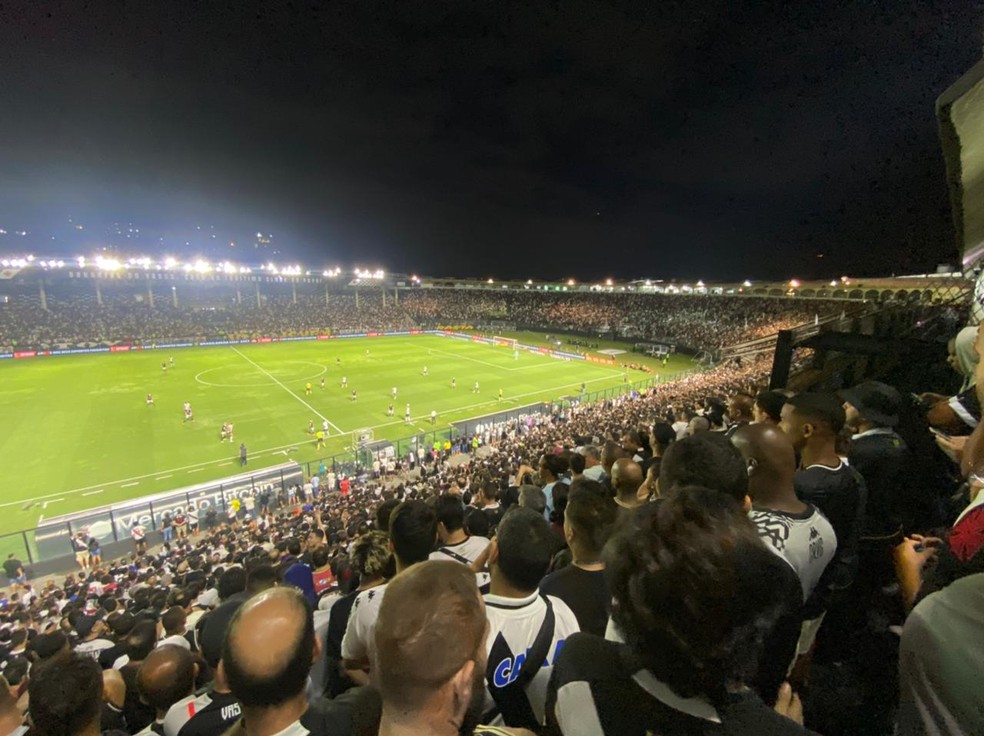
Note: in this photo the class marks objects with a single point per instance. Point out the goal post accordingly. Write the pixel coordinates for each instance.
(504, 342)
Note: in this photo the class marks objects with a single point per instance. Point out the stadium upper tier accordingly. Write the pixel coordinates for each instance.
(71, 307)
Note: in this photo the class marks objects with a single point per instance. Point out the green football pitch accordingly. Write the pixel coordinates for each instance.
(78, 434)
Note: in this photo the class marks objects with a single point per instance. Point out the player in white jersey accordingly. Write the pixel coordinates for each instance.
(344, 382)
(188, 416)
(393, 392)
(406, 414)
(425, 370)
(476, 388)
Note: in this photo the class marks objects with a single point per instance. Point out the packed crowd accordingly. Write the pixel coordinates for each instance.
(700, 322)
(77, 318)
(705, 558)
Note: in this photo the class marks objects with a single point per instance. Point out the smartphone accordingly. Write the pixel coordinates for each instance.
(938, 433)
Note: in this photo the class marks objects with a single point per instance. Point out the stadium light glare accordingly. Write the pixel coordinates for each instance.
(108, 264)
(746, 283)
(570, 282)
(491, 281)
(794, 283)
(170, 262)
(608, 282)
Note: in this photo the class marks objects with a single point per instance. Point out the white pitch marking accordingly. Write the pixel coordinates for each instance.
(93, 493)
(273, 378)
(129, 485)
(159, 477)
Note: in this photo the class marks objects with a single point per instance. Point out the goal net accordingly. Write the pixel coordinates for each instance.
(505, 342)
(361, 438)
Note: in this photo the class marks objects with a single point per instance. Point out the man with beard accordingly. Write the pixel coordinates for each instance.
(430, 653)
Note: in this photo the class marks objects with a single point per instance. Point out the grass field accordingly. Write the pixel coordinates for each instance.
(77, 433)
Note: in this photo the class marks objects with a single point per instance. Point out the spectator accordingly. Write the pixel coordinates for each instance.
(430, 653)
(66, 697)
(693, 633)
(532, 497)
(267, 657)
(413, 533)
(768, 407)
(166, 682)
(627, 476)
(588, 522)
(521, 622)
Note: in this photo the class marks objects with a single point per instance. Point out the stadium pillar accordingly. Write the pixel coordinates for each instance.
(239, 295)
(326, 293)
(150, 295)
(174, 296)
(44, 296)
(384, 297)
(258, 302)
(356, 298)
(396, 296)
(293, 291)
(99, 294)
(782, 360)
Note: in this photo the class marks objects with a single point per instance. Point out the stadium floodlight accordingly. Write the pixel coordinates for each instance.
(608, 282)
(794, 283)
(746, 282)
(170, 262)
(108, 264)
(491, 281)
(570, 282)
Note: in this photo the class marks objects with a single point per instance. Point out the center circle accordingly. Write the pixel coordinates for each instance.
(268, 382)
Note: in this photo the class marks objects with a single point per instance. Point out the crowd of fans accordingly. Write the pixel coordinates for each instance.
(704, 558)
(77, 318)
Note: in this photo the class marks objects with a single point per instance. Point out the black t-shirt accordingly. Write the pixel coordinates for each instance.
(335, 681)
(599, 682)
(841, 496)
(881, 459)
(584, 592)
(214, 716)
(11, 567)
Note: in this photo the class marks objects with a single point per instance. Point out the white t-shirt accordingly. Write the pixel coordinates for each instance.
(179, 714)
(93, 648)
(470, 550)
(806, 541)
(178, 640)
(358, 641)
(513, 626)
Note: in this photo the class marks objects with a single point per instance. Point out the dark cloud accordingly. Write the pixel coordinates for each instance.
(517, 139)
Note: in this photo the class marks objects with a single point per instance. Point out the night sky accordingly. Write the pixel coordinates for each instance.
(715, 140)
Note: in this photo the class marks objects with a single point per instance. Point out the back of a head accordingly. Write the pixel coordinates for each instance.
(769, 456)
(413, 531)
(232, 581)
(141, 639)
(166, 676)
(269, 647)
(371, 555)
(173, 619)
(65, 696)
(430, 623)
(708, 460)
(592, 516)
(576, 463)
(627, 476)
(694, 592)
(450, 512)
(262, 577)
(526, 544)
(770, 403)
(532, 497)
(383, 513)
(663, 435)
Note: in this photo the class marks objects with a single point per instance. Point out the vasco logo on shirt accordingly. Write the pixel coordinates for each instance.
(508, 669)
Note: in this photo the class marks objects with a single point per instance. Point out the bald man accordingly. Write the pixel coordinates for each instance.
(797, 531)
(266, 660)
(626, 479)
(166, 681)
(430, 653)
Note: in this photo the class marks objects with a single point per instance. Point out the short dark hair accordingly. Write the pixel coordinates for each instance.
(663, 435)
(160, 693)
(383, 513)
(274, 685)
(450, 511)
(820, 408)
(413, 530)
(294, 546)
(770, 403)
(556, 463)
(319, 557)
(65, 694)
(262, 577)
(526, 544)
(694, 591)
(708, 460)
(592, 515)
(231, 581)
(173, 618)
(141, 639)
